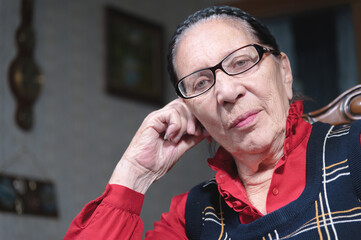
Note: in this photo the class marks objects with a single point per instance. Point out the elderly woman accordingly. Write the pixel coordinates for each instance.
(277, 176)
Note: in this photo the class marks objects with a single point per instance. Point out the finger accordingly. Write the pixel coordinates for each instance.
(165, 121)
(183, 117)
(181, 129)
(178, 120)
(192, 124)
(175, 128)
(187, 116)
(189, 141)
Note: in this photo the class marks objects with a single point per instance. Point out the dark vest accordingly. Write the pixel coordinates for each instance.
(328, 208)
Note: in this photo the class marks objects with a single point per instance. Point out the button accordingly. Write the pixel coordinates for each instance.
(275, 191)
(287, 146)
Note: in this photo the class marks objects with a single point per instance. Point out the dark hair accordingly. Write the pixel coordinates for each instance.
(259, 30)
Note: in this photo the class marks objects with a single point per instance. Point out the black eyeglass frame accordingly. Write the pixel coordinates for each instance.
(260, 50)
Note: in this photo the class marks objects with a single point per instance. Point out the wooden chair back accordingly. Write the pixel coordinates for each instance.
(346, 108)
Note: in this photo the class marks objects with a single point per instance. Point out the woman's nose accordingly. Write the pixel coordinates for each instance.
(228, 88)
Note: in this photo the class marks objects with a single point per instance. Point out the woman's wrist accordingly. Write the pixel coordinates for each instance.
(130, 176)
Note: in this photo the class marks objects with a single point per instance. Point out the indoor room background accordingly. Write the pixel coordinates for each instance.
(81, 127)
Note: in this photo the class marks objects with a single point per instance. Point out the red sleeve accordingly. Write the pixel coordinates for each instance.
(115, 215)
(172, 224)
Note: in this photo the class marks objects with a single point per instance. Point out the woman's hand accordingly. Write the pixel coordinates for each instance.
(164, 136)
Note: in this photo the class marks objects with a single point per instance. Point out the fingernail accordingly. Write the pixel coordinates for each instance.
(168, 137)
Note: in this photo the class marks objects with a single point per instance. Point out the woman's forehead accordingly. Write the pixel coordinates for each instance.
(208, 42)
(217, 27)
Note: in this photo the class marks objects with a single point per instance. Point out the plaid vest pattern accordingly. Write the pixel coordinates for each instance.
(328, 208)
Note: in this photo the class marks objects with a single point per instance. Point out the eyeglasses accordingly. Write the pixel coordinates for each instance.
(237, 62)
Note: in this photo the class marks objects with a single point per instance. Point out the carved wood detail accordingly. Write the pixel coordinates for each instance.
(346, 108)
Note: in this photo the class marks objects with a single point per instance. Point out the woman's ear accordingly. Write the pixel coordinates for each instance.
(286, 75)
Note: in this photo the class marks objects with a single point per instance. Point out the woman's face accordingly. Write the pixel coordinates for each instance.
(245, 113)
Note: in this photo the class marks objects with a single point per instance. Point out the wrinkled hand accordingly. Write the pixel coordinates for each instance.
(164, 136)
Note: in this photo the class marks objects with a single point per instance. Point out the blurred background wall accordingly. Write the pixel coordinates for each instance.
(80, 131)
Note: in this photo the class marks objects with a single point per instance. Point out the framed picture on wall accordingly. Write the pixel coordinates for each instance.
(134, 57)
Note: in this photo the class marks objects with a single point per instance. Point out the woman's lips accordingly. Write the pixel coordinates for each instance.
(244, 119)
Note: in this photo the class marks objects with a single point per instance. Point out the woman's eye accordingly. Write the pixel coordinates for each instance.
(241, 63)
(201, 84)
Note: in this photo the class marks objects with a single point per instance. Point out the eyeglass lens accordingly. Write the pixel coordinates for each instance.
(202, 80)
